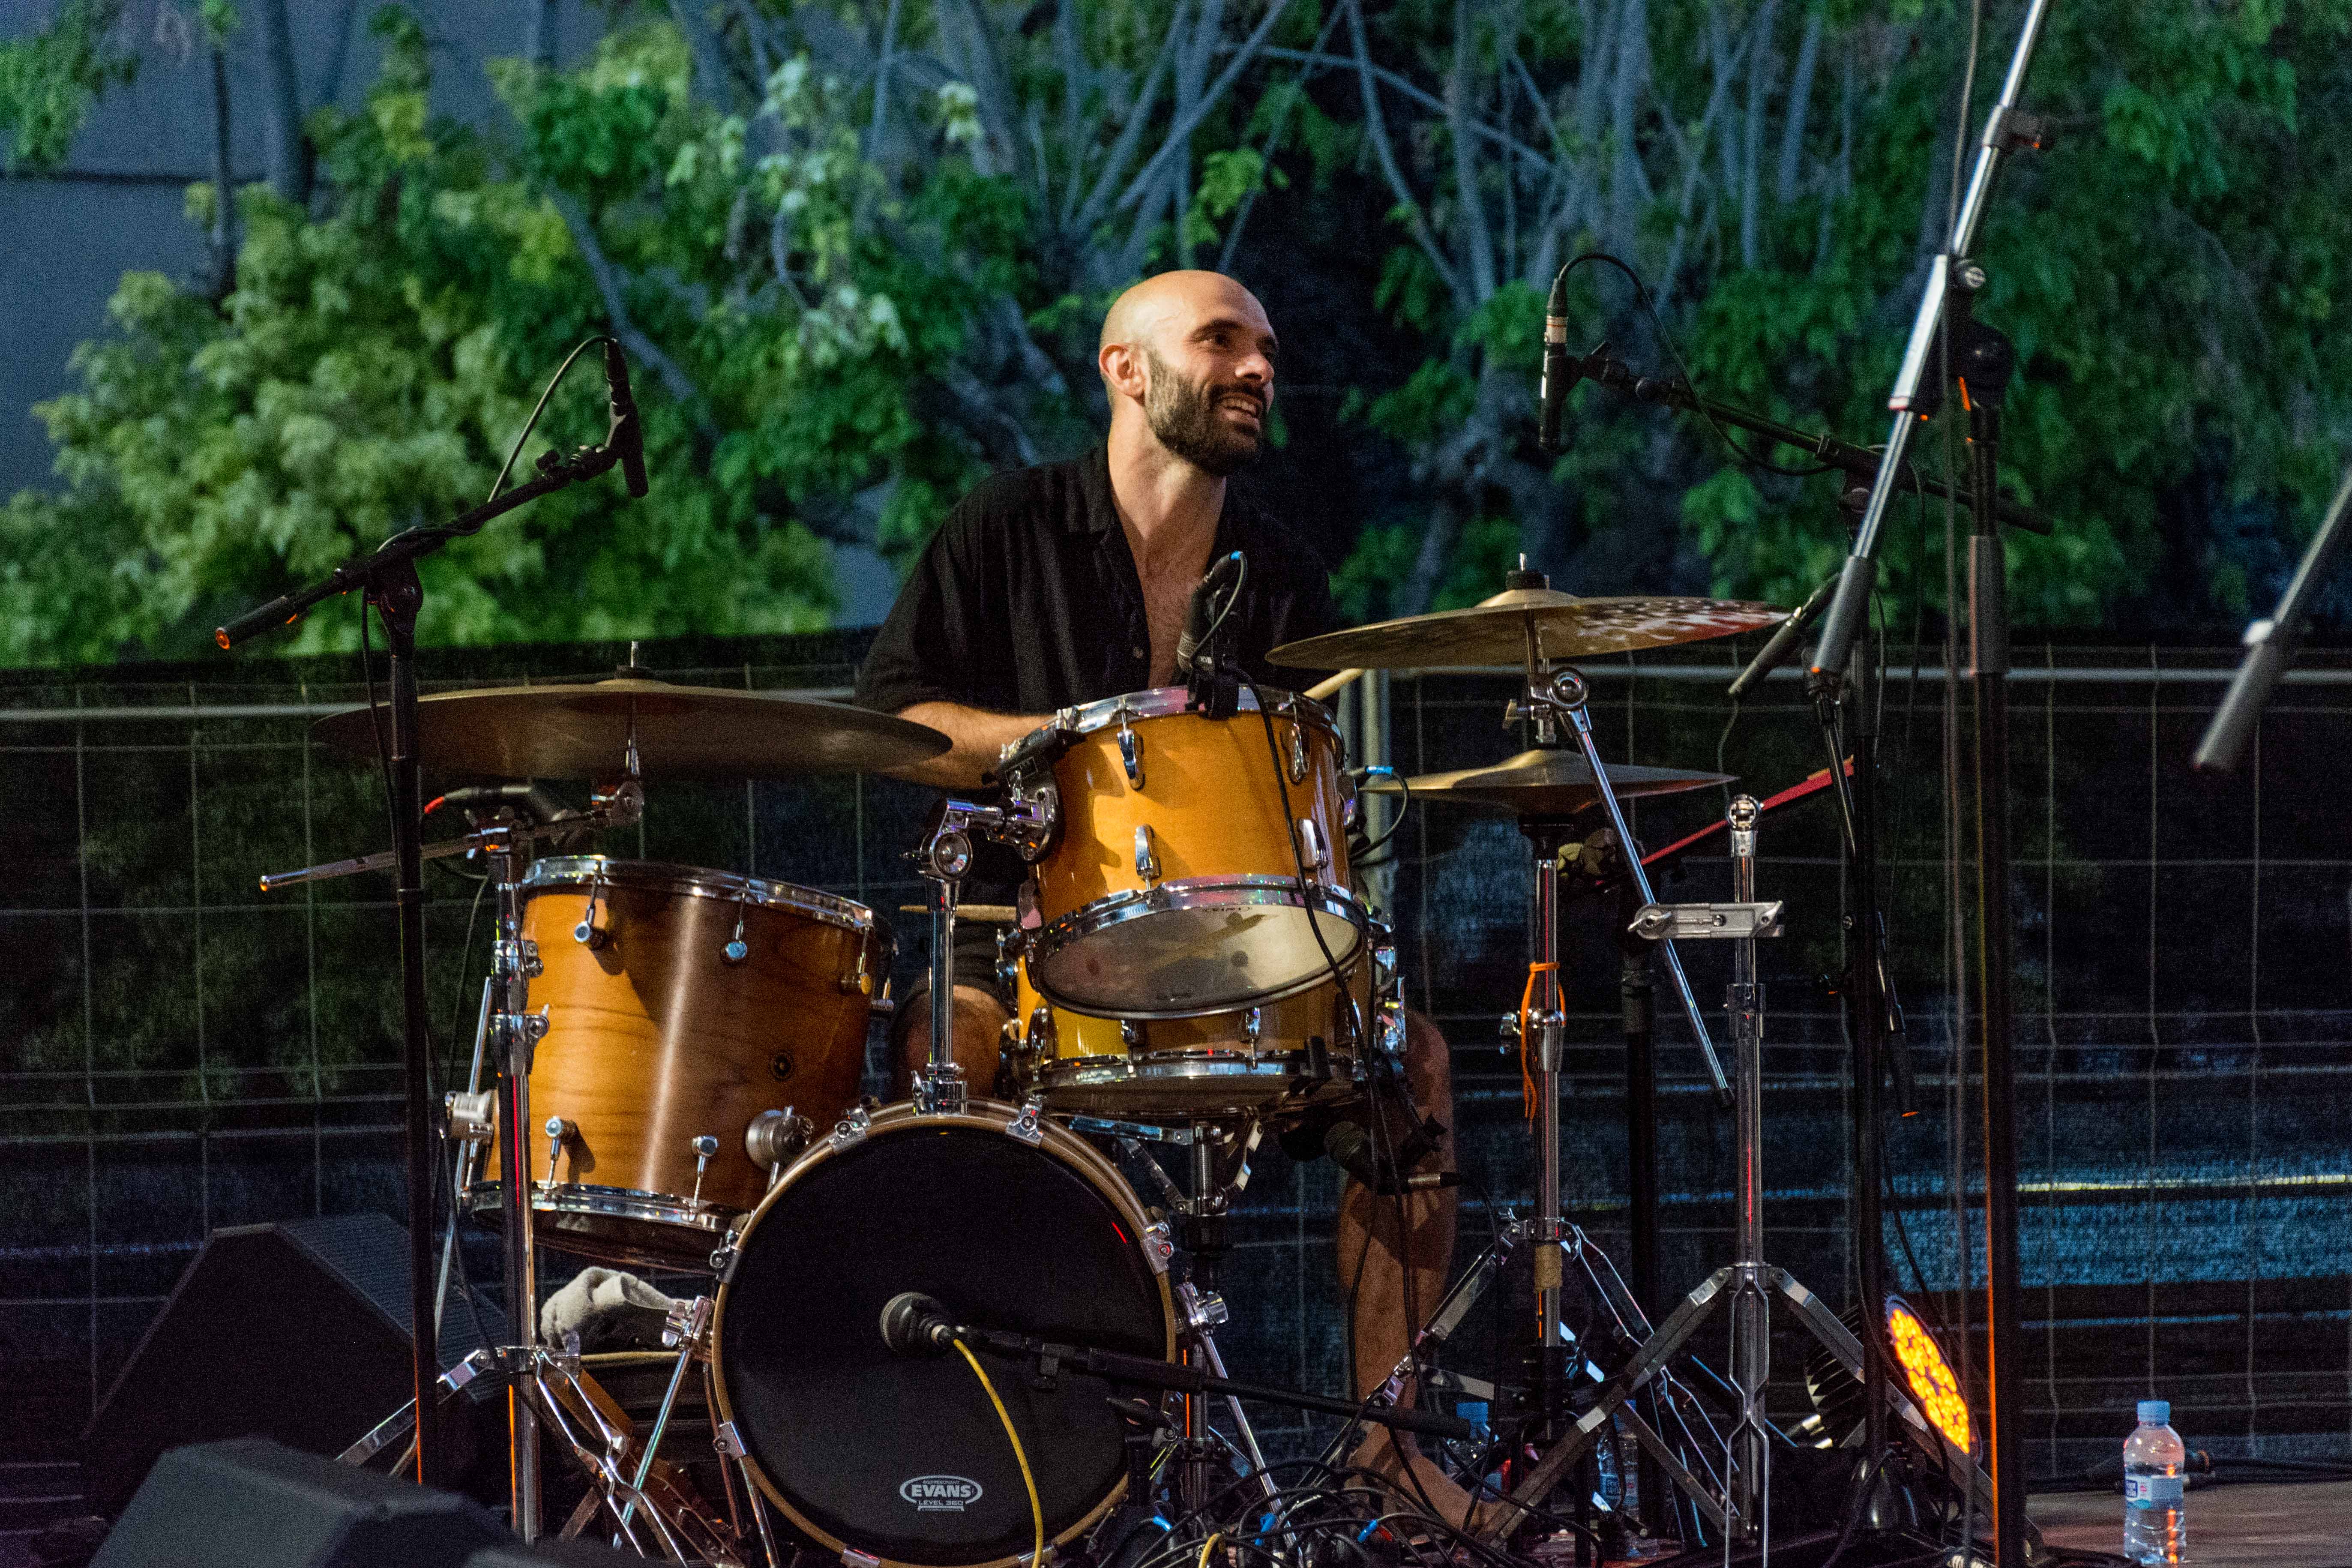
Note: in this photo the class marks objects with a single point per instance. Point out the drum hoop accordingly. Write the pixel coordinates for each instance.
(1075, 1072)
(696, 882)
(614, 1202)
(1194, 893)
(1169, 702)
(979, 1115)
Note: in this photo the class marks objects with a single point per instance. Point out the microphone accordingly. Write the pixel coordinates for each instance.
(1196, 613)
(1782, 642)
(917, 1325)
(1558, 375)
(1350, 1149)
(628, 433)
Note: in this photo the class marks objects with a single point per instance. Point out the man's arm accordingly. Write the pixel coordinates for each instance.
(979, 735)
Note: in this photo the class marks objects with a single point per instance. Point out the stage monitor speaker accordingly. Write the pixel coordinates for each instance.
(297, 1332)
(262, 1505)
(253, 1503)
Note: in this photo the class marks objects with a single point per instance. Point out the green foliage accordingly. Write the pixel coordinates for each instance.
(374, 362)
(50, 82)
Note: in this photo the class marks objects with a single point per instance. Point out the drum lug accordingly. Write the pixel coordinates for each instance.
(1008, 956)
(849, 1132)
(1158, 1247)
(704, 1147)
(519, 956)
(1297, 751)
(1253, 1024)
(1024, 1125)
(588, 933)
(559, 1133)
(736, 950)
(723, 1259)
(1130, 752)
(1147, 859)
(1312, 850)
(1130, 1034)
(853, 1558)
(727, 1439)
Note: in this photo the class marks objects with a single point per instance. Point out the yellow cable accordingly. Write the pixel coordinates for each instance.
(1036, 1514)
(1208, 1546)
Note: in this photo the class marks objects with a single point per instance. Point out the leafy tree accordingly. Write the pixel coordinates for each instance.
(2167, 273)
(814, 239)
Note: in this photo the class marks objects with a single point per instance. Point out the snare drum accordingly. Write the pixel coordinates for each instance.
(1173, 889)
(1307, 1050)
(681, 1005)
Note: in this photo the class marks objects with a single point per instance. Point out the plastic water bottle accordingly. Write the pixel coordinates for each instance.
(2156, 1530)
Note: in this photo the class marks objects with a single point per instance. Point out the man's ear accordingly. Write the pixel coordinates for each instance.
(1122, 369)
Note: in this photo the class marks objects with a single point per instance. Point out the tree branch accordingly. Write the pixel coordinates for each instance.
(1377, 133)
(1180, 135)
(609, 284)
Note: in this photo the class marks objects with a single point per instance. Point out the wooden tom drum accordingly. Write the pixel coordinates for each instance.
(681, 1005)
(1173, 888)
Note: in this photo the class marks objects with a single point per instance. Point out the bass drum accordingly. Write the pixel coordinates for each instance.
(1014, 1225)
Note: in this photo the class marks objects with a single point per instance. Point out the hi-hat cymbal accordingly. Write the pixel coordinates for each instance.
(1547, 781)
(1494, 631)
(682, 732)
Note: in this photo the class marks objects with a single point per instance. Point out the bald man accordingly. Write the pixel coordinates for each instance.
(1055, 586)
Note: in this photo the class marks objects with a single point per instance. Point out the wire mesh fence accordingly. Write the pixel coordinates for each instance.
(184, 1052)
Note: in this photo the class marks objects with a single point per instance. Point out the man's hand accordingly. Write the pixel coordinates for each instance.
(978, 736)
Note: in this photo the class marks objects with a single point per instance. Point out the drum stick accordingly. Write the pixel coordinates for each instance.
(1330, 685)
(987, 914)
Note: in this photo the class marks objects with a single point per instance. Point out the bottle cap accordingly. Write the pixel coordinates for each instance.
(2154, 1412)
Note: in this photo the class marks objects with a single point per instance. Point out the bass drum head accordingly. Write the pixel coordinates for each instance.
(906, 1459)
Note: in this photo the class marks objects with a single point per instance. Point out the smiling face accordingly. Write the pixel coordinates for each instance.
(1195, 353)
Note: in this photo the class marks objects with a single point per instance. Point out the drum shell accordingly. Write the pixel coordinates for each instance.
(1214, 807)
(903, 1120)
(1203, 1066)
(654, 1039)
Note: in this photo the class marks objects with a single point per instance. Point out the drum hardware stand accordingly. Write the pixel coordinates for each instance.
(1750, 1280)
(1025, 822)
(1200, 1227)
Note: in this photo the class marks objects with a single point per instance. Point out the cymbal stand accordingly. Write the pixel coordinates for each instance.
(515, 1032)
(1750, 1280)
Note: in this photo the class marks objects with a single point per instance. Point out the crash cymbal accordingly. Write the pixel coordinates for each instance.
(1495, 631)
(682, 732)
(1547, 781)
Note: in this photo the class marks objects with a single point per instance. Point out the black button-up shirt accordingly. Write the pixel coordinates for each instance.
(1027, 599)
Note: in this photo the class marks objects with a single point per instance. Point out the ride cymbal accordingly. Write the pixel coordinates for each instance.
(1547, 781)
(681, 732)
(1494, 631)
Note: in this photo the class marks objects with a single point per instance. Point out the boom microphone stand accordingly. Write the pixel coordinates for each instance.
(387, 576)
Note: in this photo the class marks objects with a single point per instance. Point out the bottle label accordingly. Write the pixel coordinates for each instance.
(2152, 1491)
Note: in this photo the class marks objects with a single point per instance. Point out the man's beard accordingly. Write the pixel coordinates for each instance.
(1186, 418)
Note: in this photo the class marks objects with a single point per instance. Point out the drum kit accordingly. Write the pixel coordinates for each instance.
(667, 1075)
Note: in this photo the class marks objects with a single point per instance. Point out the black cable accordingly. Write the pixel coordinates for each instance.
(1667, 343)
(528, 425)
